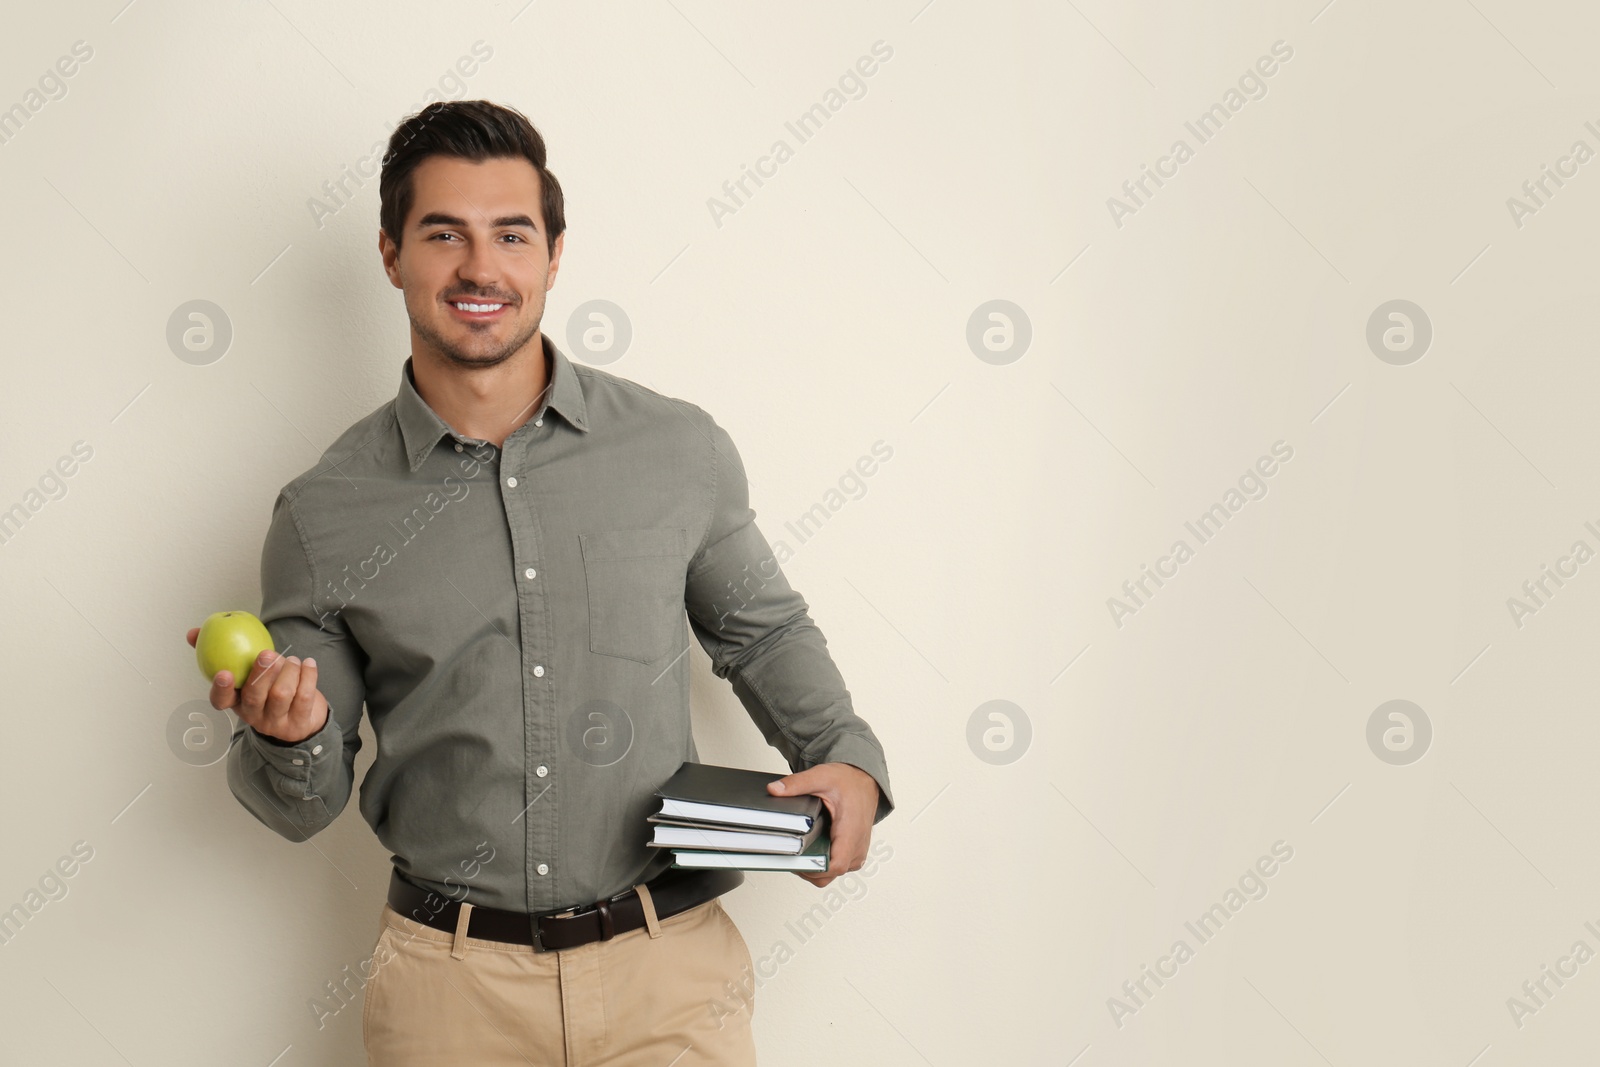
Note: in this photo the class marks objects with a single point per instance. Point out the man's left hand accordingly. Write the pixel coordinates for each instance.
(851, 796)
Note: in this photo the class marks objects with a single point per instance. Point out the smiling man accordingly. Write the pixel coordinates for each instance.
(505, 564)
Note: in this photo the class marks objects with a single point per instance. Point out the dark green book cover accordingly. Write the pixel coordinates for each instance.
(752, 861)
(739, 789)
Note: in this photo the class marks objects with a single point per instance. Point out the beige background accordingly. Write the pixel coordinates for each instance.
(829, 311)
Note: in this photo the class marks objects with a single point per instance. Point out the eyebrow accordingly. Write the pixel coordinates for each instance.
(437, 218)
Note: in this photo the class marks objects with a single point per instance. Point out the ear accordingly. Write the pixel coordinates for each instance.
(390, 253)
(555, 262)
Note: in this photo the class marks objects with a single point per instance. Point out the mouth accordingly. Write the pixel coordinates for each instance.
(477, 310)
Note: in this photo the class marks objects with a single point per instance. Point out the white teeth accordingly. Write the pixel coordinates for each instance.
(479, 307)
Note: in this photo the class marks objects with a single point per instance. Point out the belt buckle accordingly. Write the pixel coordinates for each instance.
(538, 941)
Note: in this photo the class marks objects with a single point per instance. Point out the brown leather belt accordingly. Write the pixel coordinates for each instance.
(672, 891)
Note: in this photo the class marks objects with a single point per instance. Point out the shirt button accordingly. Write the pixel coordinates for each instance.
(541, 770)
(512, 482)
(538, 422)
(317, 751)
(299, 762)
(543, 868)
(458, 446)
(538, 672)
(529, 573)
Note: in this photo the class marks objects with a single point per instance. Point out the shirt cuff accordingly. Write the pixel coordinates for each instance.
(864, 755)
(299, 759)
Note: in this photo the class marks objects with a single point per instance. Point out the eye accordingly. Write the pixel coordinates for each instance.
(517, 237)
(445, 233)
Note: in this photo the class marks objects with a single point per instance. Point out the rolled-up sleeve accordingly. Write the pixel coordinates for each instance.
(297, 789)
(760, 636)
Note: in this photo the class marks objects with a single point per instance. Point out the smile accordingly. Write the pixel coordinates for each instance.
(477, 312)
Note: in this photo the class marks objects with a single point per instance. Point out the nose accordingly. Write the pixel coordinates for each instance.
(479, 267)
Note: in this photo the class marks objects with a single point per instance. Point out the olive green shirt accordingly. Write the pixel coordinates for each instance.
(517, 623)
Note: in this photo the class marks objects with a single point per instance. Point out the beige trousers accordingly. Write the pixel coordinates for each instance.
(651, 997)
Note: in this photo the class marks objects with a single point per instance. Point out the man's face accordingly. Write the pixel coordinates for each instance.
(474, 235)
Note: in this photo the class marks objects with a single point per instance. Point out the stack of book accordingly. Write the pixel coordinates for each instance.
(724, 817)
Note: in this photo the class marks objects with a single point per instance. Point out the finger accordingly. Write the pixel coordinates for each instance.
(223, 695)
(847, 846)
(281, 688)
(305, 694)
(194, 635)
(843, 861)
(797, 783)
(253, 694)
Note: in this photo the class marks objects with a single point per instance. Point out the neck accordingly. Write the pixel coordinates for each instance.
(487, 403)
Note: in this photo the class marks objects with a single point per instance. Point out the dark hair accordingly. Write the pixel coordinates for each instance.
(467, 129)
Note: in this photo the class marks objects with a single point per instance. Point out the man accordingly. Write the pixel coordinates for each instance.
(500, 563)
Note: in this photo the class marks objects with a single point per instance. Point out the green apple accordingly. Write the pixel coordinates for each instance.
(231, 641)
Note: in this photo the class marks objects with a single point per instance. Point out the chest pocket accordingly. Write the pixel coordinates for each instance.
(635, 585)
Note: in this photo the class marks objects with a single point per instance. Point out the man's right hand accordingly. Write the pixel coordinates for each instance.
(280, 698)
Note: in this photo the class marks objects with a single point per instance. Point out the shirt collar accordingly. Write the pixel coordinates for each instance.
(421, 427)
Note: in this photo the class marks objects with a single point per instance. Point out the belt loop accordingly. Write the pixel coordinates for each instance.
(650, 921)
(458, 949)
